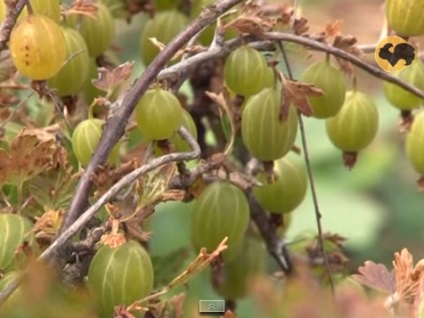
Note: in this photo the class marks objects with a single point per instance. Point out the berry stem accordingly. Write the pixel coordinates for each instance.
(318, 214)
(91, 110)
(29, 7)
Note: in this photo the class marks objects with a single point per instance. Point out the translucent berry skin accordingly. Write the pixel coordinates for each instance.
(400, 98)
(356, 125)
(14, 231)
(220, 211)
(38, 47)
(287, 191)
(164, 27)
(246, 71)
(85, 139)
(331, 81)
(265, 136)
(178, 143)
(120, 276)
(159, 114)
(98, 33)
(239, 273)
(72, 76)
(405, 17)
(415, 143)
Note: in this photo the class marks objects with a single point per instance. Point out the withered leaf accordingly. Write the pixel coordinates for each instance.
(251, 24)
(376, 276)
(333, 28)
(403, 265)
(109, 80)
(296, 93)
(29, 155)
(252, 21)
(347, 43)
(48, 225)
(113, 240)
(300, 26)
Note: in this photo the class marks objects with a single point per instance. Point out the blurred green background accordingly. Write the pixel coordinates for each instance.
(376, 206)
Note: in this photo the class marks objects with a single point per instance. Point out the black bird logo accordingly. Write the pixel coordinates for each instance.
(402, 51)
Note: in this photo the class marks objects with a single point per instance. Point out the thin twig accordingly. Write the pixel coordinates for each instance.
(318, 214)
(15, 110)
(13, 10)
(276, 246)
(66, 235)
(114, 128)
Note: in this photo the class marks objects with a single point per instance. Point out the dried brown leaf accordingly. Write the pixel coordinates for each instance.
(109, 80)
(49, 223)
(300, 26)
(29, 155)
(252, 21)
(113, 240)
(296, 93)
(347, 43)
(404, 270)
(376, 276)
(333, 28)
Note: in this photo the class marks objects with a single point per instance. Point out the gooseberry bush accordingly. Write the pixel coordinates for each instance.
(91, 146)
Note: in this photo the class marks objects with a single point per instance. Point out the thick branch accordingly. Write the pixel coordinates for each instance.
(107, 197)
(13, 9)
(115, 125)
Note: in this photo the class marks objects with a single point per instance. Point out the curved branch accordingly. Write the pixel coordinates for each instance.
(13, 9)
(115, 126)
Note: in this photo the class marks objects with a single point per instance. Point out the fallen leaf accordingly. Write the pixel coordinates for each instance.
(109, 80)
(296, 93)
(376, 276)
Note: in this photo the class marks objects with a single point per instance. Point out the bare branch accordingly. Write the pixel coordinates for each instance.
(107, 197)
(275, 244)
(13, 9)
(373, 70)
(118, 118)
(311, 179)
